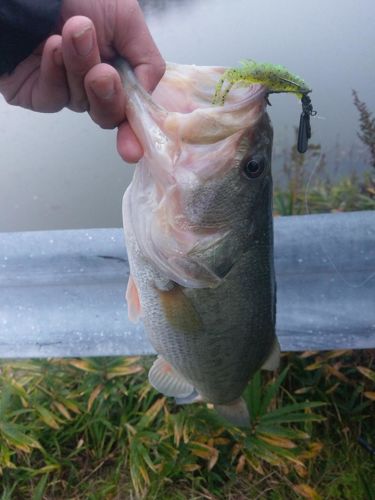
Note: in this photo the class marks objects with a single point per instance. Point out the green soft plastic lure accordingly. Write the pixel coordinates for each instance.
(278, 80)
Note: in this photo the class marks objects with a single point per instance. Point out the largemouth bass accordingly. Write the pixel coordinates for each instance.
(198, 228)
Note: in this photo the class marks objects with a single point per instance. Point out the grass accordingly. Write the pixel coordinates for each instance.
(308, 186)
(94, 429)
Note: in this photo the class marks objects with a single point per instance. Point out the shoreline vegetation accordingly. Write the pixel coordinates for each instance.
(94, 428)
(310, 185)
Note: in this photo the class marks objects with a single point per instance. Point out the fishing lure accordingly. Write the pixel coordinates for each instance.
(278, 80)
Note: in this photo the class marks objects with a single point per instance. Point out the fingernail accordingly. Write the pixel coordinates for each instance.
(103, 88)
(84, 41)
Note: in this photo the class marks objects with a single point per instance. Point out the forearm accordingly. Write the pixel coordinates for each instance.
(24, 24)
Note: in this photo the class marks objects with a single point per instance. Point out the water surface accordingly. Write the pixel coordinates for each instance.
(61, 171)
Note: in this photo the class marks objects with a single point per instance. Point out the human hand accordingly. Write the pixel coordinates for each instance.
(66, 70)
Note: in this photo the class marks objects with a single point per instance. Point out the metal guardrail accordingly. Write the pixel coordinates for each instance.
(62, 292)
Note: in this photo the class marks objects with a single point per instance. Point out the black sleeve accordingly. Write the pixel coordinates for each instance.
(24, 24)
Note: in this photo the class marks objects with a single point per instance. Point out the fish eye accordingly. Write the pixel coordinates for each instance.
(253, 168)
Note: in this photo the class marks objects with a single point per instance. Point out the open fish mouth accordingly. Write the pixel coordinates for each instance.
(193, 118)
(194, 86)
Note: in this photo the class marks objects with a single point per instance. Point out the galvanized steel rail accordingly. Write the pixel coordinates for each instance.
(62, 292)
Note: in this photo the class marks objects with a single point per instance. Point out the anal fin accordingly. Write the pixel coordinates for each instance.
(165, 379)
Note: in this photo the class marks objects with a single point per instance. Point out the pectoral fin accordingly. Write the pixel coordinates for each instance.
(273, 361)
(132, 298)
(180, 311)
(165, 379)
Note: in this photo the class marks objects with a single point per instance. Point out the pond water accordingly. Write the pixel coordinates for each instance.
(61, 171)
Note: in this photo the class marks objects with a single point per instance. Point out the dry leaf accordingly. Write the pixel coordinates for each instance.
(301, 470)
(214, 458)
(306, 492)
(367, 372)
(121, 371)
(241, 464)
(62, 410)
(308, 354)
(82, 365)
(95, 393)
(191, 467)
(278, 441)
(155, 408)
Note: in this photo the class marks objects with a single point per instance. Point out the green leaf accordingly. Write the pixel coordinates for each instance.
(15, 436)
(277, 430)
(290, 409)
(5, 401)
(26, 366)
(85, 365)
(272, 390)
(7, 493)
(367, 486)
(254, 395)
(264, 451)
(48, 417)
(40, 488)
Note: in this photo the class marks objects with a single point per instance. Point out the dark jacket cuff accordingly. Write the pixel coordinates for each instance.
(24, 24)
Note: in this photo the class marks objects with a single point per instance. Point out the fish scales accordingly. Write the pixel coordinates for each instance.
(198, 227)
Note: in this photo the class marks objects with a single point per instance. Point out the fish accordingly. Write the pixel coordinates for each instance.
(199, 235)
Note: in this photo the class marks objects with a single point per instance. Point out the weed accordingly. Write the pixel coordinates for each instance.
(96, 429)
(367, 126)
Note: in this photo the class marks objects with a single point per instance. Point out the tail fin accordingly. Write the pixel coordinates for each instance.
(236, 413)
